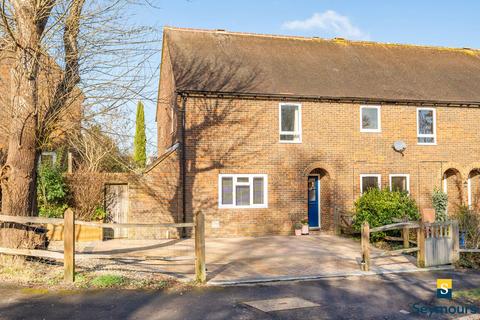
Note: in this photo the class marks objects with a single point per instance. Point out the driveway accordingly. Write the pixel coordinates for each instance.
(232, 260)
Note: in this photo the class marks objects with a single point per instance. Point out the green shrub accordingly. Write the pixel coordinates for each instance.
(51, 191)
(381, 207)
(52, 210)
(469, 223)
(439, 203)
(99, 214)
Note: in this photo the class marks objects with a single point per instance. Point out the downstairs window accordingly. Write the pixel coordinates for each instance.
(242, 191)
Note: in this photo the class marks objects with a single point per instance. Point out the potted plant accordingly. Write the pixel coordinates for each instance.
(304, 222)
(298, 228)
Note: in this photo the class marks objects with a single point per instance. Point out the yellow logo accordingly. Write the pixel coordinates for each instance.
(444, 288)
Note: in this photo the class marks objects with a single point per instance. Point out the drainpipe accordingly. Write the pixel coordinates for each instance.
(183, 166)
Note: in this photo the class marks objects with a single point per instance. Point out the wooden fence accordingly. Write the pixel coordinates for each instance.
(365, 241)
(68, 256)
(437, 243)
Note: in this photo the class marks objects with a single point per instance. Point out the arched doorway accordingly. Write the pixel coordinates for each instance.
(452, 186)
(320, 200)
(474, 189)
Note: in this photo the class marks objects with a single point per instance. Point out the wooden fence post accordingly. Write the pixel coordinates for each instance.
(69, 162)
(406, 236)
(455, 234)
(69, 245)
(421, 245)
(200, 269)
(365, 242)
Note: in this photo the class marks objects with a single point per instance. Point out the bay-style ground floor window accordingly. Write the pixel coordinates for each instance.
(242, 191)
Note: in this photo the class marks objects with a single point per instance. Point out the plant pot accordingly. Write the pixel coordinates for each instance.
(298, 232)
(428, 215)
(305, 229)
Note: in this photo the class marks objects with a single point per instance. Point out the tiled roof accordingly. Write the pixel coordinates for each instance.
(242, 63)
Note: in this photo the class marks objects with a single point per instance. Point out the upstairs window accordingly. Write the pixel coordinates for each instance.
(426, 126)
(369, 181)
(290, 123)
(242, 191)
(370, 119)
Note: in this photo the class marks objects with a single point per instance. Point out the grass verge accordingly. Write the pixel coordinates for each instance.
(472, 295)
(36, 275)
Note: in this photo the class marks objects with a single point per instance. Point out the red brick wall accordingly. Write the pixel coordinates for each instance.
(241, 136)
(154, 196)
(166, 104)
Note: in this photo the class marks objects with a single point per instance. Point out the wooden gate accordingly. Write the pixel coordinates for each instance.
(437, 243)
(116, 204)
(441, 244)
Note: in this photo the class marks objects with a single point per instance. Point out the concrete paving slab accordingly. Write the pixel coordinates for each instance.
(281, 304)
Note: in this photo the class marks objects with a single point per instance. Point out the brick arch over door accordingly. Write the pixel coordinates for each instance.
(319, 165)
(462, 169)
(452, 184)
(326, 198)
(474, 188)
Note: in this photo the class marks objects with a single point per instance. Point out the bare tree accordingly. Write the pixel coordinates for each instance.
(62, 54)
(97, 152)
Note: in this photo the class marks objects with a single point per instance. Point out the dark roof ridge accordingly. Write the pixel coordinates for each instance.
(338, 40)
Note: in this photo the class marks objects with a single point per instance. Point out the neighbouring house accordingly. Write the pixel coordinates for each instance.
(69, 118)
(260, 131)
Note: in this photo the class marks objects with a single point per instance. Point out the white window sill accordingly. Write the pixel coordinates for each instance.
(370, 130)
(243, 207)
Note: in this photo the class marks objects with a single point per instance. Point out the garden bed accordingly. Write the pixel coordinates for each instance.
(46, 276)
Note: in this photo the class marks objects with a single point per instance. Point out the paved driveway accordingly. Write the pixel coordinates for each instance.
(247, 258)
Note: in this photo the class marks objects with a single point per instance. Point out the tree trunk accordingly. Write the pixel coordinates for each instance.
(19, 171)
(18, 174)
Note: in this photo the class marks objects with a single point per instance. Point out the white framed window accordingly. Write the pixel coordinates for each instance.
(426, 126)
(47, 158)
(242, 191)
(368, 181)
(370, 119)
(290, 122)
(400, 182)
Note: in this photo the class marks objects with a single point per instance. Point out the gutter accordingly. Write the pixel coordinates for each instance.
(294, 97)
(183, 166)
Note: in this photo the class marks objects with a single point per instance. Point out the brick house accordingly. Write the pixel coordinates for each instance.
(261, 131)
(68, 120)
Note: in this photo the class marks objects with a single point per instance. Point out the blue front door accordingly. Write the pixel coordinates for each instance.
(313, 201)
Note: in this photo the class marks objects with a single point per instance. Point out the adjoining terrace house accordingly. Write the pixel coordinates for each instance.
(264, 130)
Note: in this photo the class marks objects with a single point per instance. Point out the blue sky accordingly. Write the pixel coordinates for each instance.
(440, 23)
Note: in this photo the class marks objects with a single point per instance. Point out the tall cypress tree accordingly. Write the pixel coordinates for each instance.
(140, 140)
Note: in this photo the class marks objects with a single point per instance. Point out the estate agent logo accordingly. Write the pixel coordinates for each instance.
(444, 288)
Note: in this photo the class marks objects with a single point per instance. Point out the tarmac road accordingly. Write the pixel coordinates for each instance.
(373, 297)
